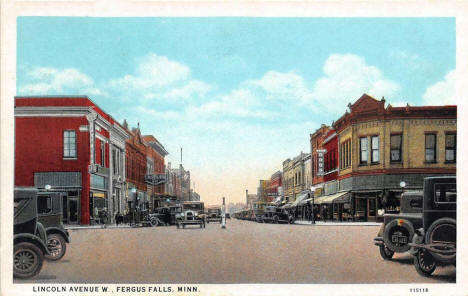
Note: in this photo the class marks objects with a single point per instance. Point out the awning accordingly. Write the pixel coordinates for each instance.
(304, 201)
(328, 199)
(300, 198)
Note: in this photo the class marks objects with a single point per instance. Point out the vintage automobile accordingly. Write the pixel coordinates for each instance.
(213, 215)
(163, 216)
(274, 214)
(228, 216)
(435, 242)
(50, 211)
(398, 229)
(29, 240)
(192, 214)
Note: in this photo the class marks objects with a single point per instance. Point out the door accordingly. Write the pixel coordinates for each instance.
(73, 210)
(372, 209)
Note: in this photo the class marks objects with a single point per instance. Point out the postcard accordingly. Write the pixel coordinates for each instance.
(233, 148)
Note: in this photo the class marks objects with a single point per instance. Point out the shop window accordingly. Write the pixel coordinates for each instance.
(375, 157)
(395, 148)
(363, 149)
(430, 144)
(450, 147)
(69, 144)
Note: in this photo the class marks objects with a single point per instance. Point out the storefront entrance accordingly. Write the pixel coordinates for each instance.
(71, 207)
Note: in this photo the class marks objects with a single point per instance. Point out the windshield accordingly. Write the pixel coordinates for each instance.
(214, 211)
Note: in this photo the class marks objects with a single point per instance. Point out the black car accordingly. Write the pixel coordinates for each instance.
(29, 240)
(274, 214)
(50, 214)
(213, 215)
(435, 242)
(398, 229)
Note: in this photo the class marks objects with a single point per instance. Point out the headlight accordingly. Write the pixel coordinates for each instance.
(182, 214)
(196, 214)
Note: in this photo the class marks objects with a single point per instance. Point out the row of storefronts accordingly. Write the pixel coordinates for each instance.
(105, 169)
(359, 166)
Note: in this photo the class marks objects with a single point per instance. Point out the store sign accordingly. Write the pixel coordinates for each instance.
(320, 161)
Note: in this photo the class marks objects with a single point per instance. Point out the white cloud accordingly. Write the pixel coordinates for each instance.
(409, 60)
(347, 77)
(283, 86)
(193, 87)
(442, 92)
(238, 103)
(153, 73)
(46, 81)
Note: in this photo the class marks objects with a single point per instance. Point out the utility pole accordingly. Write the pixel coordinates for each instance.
(223, 214)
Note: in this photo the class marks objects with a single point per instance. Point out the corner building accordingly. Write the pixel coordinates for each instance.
(381, 149)
(71, 144)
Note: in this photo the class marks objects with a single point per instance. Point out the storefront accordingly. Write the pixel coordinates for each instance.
(68, 183)
(98, 199)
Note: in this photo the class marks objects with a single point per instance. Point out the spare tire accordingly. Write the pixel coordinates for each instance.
(443, 230)
(397, 234)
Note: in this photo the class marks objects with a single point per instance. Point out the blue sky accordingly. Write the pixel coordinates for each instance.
(240, 95)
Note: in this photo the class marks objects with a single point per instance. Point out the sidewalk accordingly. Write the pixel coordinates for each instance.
(337, 223)
(107, 226)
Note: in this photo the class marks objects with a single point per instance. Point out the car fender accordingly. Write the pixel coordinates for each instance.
(418, 238)
(28, 237)
(62, 232)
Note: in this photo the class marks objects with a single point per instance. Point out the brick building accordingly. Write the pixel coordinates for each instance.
(156, 170)
(381, 147)
(71, 144)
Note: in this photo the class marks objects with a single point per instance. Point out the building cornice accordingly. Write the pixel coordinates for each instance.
(67, 111)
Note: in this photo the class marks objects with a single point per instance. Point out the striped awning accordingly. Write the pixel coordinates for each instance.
(340, 197)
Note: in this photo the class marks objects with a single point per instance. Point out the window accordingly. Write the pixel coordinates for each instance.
(395, 148)
(430, 144)
(69, 144)
(450, 147)
(445, 193)
(363, 149)
(44, 204)
(345, 154)
(375, 149)
(103, 153)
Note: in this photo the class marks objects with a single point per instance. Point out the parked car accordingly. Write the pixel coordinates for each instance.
(192, 214)
(435, 243)
(30, 238)
(213, 215)
(50, 214)
(274, 214)
(228, 216)
(398, 229)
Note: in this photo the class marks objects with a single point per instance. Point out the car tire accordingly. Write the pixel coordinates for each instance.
(57, 247)
(178, 226)
(424, 263)
(154, 222)
(183, 225)
(27, 260)
(385, 252)
(275, 219)
(398, 225)
(443, 229)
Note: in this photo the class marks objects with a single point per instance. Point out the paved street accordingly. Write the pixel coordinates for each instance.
(245, 252)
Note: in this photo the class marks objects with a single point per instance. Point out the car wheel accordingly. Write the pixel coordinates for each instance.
(57, 246)
(154, 222)
(275, 219)
(443, 230)
(424, 262)
(27, 260)
(178, 226)
(395, 231)
(385, 252)
(183, 225)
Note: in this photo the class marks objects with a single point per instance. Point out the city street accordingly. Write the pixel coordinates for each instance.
(245, 252)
